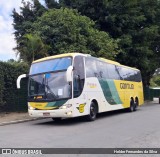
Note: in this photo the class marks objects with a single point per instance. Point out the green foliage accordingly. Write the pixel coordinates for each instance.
(136, 23)
(22, 21)
(94, 9)
(32, 47)
(10, 99)
(65, 30)
(52, 4)
(155, 81)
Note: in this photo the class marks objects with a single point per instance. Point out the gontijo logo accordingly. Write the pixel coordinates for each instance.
(126, 86)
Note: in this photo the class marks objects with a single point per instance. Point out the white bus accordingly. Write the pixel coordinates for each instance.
(74, 84)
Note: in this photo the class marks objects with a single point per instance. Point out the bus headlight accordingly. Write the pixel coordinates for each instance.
(66, 106)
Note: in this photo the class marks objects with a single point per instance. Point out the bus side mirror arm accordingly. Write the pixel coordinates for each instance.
(69, 73)
(19, 80)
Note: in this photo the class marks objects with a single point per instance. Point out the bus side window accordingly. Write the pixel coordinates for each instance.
(78, 75)
(113, 72)
(138, 77)
(91, 67)
(121, 72)
(130, 74)
(102, 70)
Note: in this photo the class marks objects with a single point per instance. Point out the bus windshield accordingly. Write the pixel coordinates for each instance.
(49, 86)
(57, 64)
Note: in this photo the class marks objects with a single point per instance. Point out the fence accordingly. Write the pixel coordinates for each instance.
(150, 93)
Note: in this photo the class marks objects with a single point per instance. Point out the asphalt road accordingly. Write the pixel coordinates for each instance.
(118, 129)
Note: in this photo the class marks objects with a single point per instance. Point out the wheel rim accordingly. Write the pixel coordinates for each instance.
(93, 111)
(132, 106)
(136, 104)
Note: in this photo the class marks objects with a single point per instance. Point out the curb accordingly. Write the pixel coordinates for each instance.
(19, 121)
(150, 102)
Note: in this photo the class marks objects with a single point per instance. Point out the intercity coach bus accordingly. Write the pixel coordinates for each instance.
(74, 84)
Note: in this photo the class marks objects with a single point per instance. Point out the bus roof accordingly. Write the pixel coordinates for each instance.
(75, 54)
(109, 61)
(59, 56)
(116, 63)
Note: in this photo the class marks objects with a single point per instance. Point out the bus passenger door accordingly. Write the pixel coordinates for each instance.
(79, 97)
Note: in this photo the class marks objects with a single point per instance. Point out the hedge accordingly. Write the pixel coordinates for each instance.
(11, 98)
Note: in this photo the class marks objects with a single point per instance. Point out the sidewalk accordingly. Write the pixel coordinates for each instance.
(14, 117)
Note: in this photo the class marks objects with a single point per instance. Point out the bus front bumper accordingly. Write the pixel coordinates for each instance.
(64, 113)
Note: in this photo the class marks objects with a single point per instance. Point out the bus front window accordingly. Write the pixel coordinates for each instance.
(49, 86)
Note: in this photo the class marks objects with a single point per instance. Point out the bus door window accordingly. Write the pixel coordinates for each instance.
(78, 75)
(76, 85)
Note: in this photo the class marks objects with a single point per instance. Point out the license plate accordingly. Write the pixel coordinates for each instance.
(46, 114)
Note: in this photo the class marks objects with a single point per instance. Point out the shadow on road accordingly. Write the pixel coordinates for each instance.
(78, 120)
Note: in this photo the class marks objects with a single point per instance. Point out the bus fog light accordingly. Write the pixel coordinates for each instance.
(30, 107)
(66, 106)
(69, 113)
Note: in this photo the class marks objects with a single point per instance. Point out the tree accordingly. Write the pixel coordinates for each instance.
(67, 31)
(32, 47)
(94, 9)
(137, 27)
(52, 4)
(22, 22)
(135, 23)
(155, 81)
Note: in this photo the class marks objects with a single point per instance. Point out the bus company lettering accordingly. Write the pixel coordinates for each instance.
(126, 86)
(92, 85)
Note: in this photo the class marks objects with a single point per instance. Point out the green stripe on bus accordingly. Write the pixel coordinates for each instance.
(110, 91)
(56, 103)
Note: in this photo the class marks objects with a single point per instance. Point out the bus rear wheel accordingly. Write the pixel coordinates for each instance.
(136, 104)
(132, 106)
(93, 112)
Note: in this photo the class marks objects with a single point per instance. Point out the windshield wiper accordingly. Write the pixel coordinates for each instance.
(50, 92)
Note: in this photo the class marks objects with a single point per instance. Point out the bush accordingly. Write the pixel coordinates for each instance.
(155, 81)
(12, 99)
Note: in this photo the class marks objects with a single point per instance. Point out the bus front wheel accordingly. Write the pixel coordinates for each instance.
(93, 112)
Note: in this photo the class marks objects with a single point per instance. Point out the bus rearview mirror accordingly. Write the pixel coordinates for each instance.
(69, 74)
(19, 80)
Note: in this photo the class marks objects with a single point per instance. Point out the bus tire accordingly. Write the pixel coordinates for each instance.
(57, 119)
(136, 104)
(93, 112)
(132, 106)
